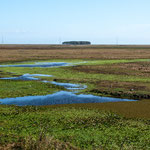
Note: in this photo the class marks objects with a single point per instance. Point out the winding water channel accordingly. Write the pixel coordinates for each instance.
(61, 97)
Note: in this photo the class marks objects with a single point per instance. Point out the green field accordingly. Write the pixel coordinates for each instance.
(70, 128)
(119, 126)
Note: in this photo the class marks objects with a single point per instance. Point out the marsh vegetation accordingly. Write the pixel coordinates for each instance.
(112, 71)
(70, 128)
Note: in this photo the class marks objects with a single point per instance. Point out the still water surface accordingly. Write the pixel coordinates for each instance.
(61, 97)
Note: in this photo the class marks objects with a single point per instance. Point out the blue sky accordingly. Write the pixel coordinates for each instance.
(55, 21)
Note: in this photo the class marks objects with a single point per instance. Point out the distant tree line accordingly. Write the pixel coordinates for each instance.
(76, 43)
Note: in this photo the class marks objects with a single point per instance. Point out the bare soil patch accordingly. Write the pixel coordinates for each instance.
(133, 90)
(132, 69)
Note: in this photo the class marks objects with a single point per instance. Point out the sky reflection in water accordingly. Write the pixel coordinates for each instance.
(43, 65)
(61, 97)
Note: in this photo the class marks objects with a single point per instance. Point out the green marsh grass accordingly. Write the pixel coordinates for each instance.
(65, 73)
(82, 128)
(80, 61)
(10, 88)
(62, 74)
(71, 127)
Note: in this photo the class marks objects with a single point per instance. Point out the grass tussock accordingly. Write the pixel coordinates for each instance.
(42, 143)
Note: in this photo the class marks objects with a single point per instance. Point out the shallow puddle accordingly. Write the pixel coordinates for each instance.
(70, 86)
(27, 77)
(43, 65)
(61, 97)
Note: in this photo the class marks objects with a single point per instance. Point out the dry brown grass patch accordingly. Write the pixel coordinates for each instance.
(132, 69)
(46, 143)
(36, 52)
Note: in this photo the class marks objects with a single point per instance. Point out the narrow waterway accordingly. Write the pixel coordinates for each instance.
(42, 65)
(61, 97)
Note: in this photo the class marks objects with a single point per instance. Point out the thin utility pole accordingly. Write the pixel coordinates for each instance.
(2, 39)
(117, 41)
(59, 40)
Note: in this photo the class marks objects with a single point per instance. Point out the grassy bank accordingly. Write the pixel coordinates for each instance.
(26, 88)
(75, 128)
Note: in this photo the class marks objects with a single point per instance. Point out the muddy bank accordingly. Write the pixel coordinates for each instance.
(121, 94)
(141, 69)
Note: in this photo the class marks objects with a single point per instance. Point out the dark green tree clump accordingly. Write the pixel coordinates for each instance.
(77, 43)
